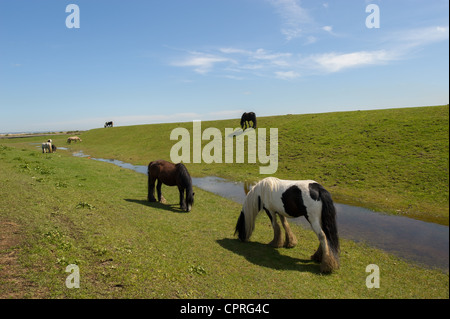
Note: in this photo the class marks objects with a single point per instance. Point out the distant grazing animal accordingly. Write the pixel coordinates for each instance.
(53, 148)
(246, 118)
(290, 199)
(47, 147)
(109, 124)
(171, 175)
(74, 139)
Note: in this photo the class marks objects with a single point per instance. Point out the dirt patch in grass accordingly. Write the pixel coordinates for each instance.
(13, 284)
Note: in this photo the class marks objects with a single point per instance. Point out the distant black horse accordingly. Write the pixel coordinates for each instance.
(171, 175)
(246, 119)
(109, 124)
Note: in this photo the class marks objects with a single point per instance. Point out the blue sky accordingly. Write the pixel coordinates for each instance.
(139, 62)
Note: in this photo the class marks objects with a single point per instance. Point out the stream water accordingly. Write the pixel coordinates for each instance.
(422, 242)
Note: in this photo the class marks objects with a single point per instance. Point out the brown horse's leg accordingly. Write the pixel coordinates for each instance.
(161, 198)
(151, 188)
(182, 200)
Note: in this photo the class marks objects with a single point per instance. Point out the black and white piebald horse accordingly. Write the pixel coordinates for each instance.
(47, 147)
(288, 199)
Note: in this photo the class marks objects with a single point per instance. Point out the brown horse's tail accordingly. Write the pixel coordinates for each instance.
(151, 184)
(185, 182)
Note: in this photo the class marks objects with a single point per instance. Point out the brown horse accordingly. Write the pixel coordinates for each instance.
(171, 175)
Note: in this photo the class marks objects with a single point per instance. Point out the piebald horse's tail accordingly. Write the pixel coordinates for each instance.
(240, 228)
(329, 224)
(246, 221)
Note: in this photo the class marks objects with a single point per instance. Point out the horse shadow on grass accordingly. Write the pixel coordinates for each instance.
(174, 208)
(267, 256)
(239, 132)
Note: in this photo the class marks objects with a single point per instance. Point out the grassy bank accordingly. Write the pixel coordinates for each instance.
(395, 161)
(63, 210)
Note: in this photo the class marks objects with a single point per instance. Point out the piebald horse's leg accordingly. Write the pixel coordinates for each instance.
(277, 241)
(291, 240)
(323, 253)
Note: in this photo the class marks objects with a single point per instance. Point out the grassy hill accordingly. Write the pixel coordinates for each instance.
(59, 210)
(394, 160)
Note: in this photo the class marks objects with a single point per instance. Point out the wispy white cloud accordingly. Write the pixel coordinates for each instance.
(286, 75)
(299, 23)
(259, 54)
(201, 62)
(230, 61)
(334, 62)
(419, 37)
(235, 51)
(294, 17)
(310, 40)
(398, 45)
(237, 63)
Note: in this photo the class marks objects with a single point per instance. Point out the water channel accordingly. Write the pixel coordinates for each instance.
(422, 242)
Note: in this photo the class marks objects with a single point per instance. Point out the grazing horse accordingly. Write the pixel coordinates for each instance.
(109, 124)
(246, 118)
(74, 139)
(47, 147)
(171, 175)
(286, 198)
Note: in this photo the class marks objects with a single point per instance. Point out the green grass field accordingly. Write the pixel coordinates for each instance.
(69, 210)
(395, 161)
(59, 210)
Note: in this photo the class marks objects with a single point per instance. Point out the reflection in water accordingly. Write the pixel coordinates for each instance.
(423, 242)
(248, 186)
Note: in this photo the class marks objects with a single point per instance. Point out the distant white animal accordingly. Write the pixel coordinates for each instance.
(73, 139)
(47, 147)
